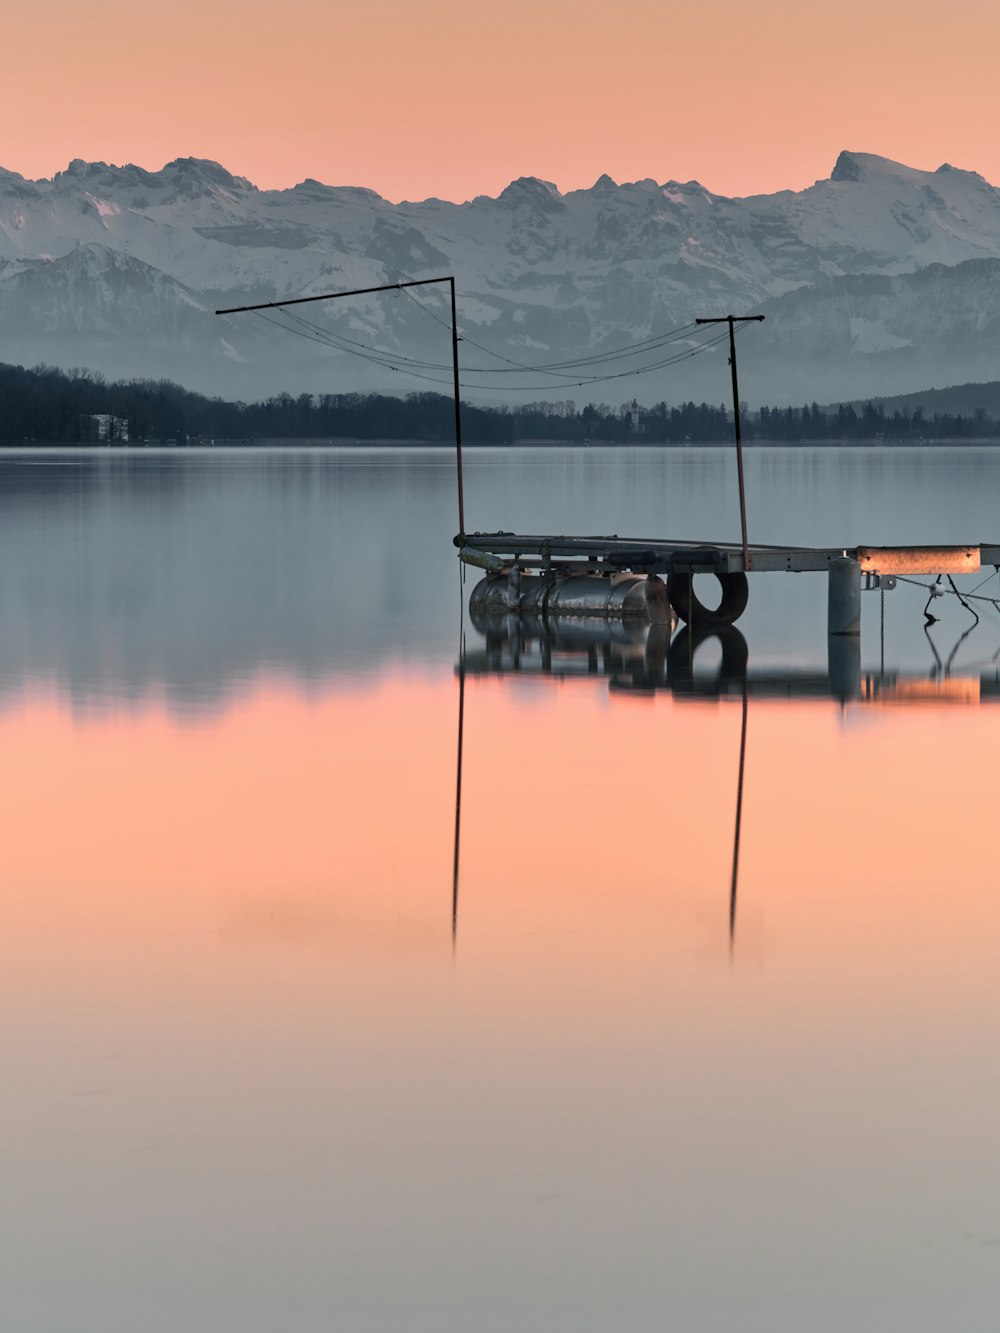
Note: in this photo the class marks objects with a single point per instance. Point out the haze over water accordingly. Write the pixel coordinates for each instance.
(265, 1069)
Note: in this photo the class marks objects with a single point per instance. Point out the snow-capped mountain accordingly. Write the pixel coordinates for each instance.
(872, 279)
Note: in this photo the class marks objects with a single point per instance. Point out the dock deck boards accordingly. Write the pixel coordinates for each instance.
(665, 556)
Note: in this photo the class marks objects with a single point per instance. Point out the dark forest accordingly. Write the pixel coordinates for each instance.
(44, 405)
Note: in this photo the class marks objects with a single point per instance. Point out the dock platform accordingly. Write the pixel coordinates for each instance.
(553, 564)
(665, 556)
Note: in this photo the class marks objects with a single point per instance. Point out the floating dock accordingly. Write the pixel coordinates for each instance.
(505, 555)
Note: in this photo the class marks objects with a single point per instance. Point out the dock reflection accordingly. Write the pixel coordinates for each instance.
(639, 659)
(643, 659)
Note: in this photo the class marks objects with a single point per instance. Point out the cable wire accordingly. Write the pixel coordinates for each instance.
(391, 360)
(641, 348)
(614, 354)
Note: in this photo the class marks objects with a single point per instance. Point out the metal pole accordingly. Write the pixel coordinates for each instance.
(458, 411)
(732, 320)
(739, 445)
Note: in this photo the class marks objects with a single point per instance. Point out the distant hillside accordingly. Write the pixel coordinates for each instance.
(967, 399)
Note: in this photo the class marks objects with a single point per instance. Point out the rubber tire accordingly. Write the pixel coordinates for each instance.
(682, 597)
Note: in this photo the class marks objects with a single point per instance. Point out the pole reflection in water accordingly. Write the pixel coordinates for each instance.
(640, 659)
(738, 821)
(458, 793)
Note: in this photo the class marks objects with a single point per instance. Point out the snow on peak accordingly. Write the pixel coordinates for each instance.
(946, 169)
(313, 189)
(870, 167)
(187, 175)
(532, 189)
(205, 172)
(856, 166)
(80, 168)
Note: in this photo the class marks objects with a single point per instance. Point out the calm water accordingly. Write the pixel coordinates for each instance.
(266, 1067)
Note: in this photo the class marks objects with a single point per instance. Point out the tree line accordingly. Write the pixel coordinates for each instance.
(45, 405)
(869, 422)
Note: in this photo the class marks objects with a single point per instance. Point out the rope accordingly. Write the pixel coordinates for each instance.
(983, 582)
(934, 590)
(964, 602)
(963, 597)
(928, 618)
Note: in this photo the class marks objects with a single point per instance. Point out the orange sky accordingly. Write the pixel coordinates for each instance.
(457, 97)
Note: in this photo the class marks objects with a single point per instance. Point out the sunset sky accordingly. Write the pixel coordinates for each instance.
(457, 97)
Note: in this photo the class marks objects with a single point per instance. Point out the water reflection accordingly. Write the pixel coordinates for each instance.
(637, 658)
(337, 986)
(186, 577)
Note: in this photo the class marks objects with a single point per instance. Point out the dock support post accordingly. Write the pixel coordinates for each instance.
(844, 599)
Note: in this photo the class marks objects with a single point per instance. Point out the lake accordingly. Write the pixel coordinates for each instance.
(283, 1052)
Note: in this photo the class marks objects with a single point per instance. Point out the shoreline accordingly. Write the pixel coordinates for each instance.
(310, 442)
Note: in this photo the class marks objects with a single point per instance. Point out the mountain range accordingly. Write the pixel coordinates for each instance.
(881, 279)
